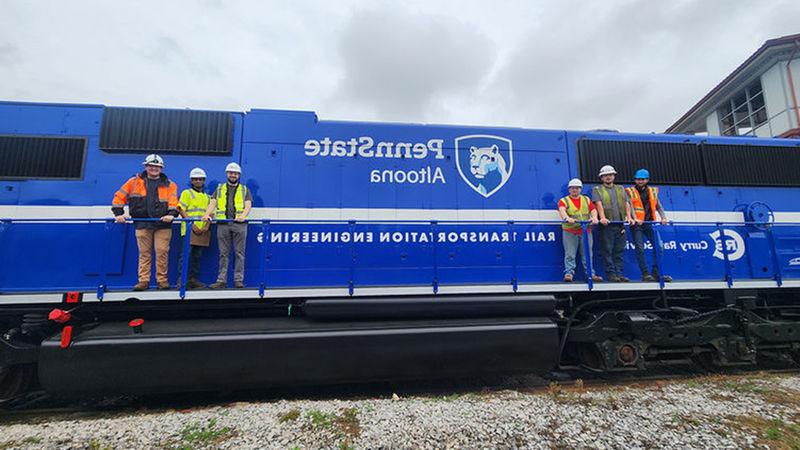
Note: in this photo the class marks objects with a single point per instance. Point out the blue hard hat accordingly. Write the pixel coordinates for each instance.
(641, 174)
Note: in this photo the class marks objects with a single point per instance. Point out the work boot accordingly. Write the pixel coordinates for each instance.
(667, 278)
(647, 277)
(568, 278)
(219, 285)
(163, 286)
(597, 278)
(238, 284)
(141, 286)
(623, 279)
(194, 283)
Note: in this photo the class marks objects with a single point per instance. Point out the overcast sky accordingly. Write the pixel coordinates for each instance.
(628, 65)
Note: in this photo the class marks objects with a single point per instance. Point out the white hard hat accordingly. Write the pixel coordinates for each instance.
(233, 167)
(197, 173)
(607, 170)
(575, 183)
(153, 160)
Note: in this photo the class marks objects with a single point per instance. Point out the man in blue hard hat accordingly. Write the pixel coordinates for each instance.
(644, 199)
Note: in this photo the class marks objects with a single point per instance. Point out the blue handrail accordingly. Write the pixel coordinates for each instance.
(434, 227)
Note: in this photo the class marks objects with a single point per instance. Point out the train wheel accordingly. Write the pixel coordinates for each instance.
(591, 357)
(14, 381)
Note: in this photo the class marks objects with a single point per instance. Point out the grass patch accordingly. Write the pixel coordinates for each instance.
(744, 387)
(774, 434)
(345, 425)
(203, 434)
(683, 419)
(289, 416)
(28, 440)
(96, 445)
(320, 419)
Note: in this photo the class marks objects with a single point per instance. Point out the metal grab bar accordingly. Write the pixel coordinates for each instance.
(372, 221)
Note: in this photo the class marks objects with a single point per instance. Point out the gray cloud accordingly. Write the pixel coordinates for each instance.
(633, 65)
(9, 54)
(636, 66)
(397, 64)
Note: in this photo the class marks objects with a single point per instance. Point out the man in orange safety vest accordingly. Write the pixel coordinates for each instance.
(644, 199)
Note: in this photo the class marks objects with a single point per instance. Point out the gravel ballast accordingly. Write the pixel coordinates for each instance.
(759, 411)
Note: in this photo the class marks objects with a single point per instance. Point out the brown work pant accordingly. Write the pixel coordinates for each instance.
(145, 239)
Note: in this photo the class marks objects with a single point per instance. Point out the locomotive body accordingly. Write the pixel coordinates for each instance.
(379, 250)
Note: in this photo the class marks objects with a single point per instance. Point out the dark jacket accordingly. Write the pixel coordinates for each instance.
(134, 194)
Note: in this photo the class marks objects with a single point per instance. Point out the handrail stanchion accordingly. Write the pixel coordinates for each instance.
(262, 267)
(187, 249)
(587, 253)
(101, 286)
(659, 255)
(351, 283)
(722, 240)
(4, 226)
(513, 241)
(434, 238)
(776, 261)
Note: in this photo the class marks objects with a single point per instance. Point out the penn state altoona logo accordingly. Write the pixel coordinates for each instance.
(484, 162)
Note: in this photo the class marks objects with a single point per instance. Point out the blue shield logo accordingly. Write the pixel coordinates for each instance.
(484, 162)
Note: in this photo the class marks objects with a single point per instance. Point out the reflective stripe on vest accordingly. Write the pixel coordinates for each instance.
(196, 207)
(222, 200)
(605, 197)
(579, 214)
(638, 206)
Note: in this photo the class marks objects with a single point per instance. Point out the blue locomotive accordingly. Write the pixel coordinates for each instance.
(379, 251)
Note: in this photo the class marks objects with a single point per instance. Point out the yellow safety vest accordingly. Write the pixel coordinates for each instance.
(579, 214)
(194, 204)
(605, 197)
(222, 199)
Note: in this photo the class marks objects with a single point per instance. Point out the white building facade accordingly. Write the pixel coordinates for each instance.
(760, 98)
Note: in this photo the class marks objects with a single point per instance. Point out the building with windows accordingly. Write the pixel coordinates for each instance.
(759, 98)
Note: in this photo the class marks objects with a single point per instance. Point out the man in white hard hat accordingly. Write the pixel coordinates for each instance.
(149, 195)
(613, 208)
(573, 209)
(232, 201)
(193, 203)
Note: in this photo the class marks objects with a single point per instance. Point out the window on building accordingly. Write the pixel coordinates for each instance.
(744, 112)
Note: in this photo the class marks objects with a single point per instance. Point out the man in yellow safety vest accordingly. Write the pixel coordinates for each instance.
(644, 200)
(231, 203)
(573, 209)
(614, 210)
(193, 203)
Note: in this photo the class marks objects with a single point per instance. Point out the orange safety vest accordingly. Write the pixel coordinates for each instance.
(134, 194)
(636, 201)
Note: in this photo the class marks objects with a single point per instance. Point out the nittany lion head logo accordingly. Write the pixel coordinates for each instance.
(484, 162)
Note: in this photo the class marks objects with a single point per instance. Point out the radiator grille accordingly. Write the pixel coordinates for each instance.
(24, 157)
(142, 130)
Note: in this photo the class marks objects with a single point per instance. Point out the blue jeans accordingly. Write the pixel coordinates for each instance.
(573, 243)
(613, 237)
(639, 233)
(195, 253)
